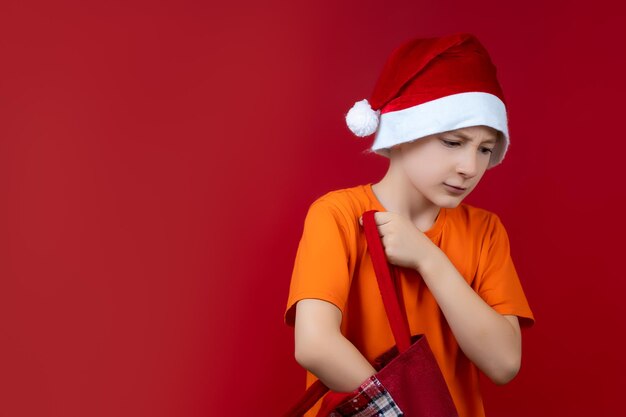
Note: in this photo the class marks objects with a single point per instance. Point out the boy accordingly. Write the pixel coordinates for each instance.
(440, 118)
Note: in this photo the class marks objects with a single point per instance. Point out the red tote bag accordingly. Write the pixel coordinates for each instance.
(408, 381)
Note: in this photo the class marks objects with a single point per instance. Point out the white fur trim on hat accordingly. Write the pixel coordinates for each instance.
(441, 115)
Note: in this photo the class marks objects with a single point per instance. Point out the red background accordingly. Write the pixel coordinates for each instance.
(157, 160)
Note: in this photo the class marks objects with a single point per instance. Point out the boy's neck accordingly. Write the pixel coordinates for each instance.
(398, 195)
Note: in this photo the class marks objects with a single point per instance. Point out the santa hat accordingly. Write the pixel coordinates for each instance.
(433, 85)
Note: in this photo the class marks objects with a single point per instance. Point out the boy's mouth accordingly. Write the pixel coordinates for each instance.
(458, 188)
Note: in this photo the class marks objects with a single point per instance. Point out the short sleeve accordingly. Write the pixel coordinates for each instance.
(497, 281)
(321, 267)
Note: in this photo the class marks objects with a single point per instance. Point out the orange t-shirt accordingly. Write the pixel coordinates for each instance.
(332, 263)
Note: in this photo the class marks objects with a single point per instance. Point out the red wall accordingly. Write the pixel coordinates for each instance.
(157, 160)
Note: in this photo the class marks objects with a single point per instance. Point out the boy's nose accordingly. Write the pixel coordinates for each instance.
(468, 164)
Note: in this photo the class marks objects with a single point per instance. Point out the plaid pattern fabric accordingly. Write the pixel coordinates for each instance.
(372, 400)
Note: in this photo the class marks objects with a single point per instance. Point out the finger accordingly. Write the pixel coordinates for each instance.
(375, 220)
(380, 234)
(382, 217)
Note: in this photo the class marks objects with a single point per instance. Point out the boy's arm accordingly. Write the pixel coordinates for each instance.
(324, 351)
(489, 339)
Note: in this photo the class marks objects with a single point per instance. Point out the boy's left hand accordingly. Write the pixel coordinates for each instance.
(405, 245)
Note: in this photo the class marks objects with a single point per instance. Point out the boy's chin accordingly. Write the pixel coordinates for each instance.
(448, 201)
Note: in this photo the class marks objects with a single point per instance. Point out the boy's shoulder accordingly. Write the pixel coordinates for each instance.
(477, 219)
(349, 200)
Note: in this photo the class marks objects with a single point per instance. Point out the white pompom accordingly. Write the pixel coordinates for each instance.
(362, 120)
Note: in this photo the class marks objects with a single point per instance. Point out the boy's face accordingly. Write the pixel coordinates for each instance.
(458, 158)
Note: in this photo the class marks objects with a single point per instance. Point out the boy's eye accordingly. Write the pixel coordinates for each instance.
(450, 143)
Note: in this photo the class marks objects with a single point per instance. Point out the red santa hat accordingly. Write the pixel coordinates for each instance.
(433, 85)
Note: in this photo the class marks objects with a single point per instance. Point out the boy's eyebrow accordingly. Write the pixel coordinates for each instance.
(492, 140)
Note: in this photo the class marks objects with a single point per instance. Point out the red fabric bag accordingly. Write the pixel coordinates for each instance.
(408, 381)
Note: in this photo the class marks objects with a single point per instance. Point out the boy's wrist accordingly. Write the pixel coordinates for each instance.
(428, 259)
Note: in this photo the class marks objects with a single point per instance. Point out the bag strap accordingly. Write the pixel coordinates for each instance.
(397, 319)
